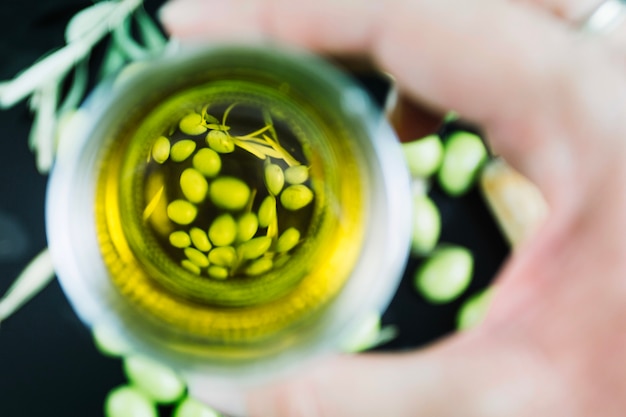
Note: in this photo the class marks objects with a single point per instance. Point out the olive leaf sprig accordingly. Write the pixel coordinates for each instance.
(258, 143)
(42, 84)
(42, 81)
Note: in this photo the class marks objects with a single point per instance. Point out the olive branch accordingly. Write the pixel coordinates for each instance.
(41, 85)
(42, 82)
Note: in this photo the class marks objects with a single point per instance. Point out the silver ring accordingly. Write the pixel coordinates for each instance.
(606, 17)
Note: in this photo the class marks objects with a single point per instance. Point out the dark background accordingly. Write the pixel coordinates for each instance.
(48, 364)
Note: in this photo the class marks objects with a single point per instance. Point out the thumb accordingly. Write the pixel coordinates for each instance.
(360, 385)
(467, 375)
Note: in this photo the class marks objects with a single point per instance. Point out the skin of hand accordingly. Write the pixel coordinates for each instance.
(552, 101)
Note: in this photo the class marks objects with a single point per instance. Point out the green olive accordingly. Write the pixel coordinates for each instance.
(229, 193)
(109, 341)
(288, 240)
(161, 149)
(423, 156)
(128, 401)
(281, 260)
(223, 230)
(180, 239)
(296, 197)
(474, 309)
(190, 407)
(181, 212)
(259, 267)
(199, 239)
(207, 162)
(445, 275)
(193, 185)
(220, 142)
(181, 150)
(223, 256)
(267, 211)
(274, 178)
(464, 156)
(218, 272)
(297, 174)
(191, 124)
(197, 257)
(255, 248)
(190, 266)
(159, 382)
(426, 225)
(247, 227)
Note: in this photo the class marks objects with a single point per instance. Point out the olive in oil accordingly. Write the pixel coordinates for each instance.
(220, 212)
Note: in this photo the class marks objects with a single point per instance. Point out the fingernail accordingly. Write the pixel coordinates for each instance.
(168, 11)
(176, 12)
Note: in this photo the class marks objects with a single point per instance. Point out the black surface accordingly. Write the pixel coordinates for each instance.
(48, 365)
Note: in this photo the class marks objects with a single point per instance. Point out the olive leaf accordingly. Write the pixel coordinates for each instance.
(31, 281)
(291, 161)
(87, 19)
(76, 92)
(43, 131)
(42, 81)
(127, 44)
(114, 60)
(150, 34)
(56, 65)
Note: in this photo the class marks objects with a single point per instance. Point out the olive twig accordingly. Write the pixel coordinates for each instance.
(208, 119)
(77, 90)
(255, 133)
(259, 153)
(122, 37)
(218, 126)
(59, 63)
(227, 112)
(290, 160)
(150, 34)
(254, 140)
(267, 118)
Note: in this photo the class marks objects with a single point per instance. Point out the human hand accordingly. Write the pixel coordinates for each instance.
(551, 101)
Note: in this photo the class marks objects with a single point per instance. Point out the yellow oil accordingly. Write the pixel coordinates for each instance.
(133, 193)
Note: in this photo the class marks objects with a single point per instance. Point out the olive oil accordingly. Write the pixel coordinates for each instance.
(230, 211)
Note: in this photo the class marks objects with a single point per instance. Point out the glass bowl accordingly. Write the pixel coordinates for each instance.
(136, 209)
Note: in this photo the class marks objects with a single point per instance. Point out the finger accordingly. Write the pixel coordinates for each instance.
(577, 12)
(298, 22)
(524, 76)
(463, 375)
(478, 375)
